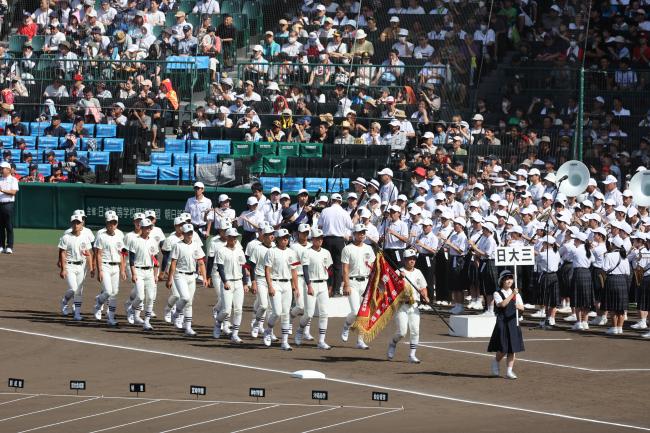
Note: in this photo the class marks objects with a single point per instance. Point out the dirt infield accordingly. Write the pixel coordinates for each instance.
(567, 381)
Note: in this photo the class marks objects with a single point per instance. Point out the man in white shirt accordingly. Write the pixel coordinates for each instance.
(8, 191)
(198, 206)
(143, 273)
(612, 191)
(388, 191)
(208, 7)
(336, 225)
(110, 266)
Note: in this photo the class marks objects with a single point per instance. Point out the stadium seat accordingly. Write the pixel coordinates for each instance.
(168, 175)
(45, 169)
(205, 158)
(274, 165)
(59, 154)
(198, 146)
(92, 144)
(256, 166)
(313, 184)
(220, 146)
(289, 149)
(38, 128)
(174, 145)
(293, 183)
(67, 126)
(113, 145)
(311, 150)
(230, 7)
(242, 148)
(146, 174)
(333, 150)
(45, 143)
(381, 153)
(181, 160)
(320, 167)
(22, 168)
(90, 127)
(16, 43)
(161, 158)
(38, 41)
(297, 166)
(265, 148)
(29, 141)
(98, 158)
(338, 184)
(271, 182)
(187, 175)
(7, 141)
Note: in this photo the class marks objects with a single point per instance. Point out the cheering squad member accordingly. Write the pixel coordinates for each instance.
(615, 295)
(547, 264)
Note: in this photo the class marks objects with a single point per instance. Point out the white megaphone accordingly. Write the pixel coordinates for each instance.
(572, 178)
(640, 187)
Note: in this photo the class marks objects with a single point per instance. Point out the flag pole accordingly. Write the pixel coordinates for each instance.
(394, 265)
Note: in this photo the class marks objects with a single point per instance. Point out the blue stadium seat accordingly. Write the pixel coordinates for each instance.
(146, 174)
(205, 158)
(37, 128)
(174, 145)
(45, 169)
(113, 145)
(221, 147)
(3, 124)
(293, 183)
(161, 158)
(91, 143)
(29, 141)
(7, 141)
(181, 160)
(45, 143)
(315, 183)
(169, 175)
(271, 182)
(198, 146)
(22, 168)
(59, 154)
(187, 174)
(336, 184)
(67, 126)
(99, 158)
(90, 127)
(107, 131)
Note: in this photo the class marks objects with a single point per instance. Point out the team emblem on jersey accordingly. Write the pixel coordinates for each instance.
(152, 250)
(119, 245)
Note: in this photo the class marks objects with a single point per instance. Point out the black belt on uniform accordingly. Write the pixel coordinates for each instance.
(318, 281)
(332, 236)
(75, 263)
(359, 278)
(186, 273)
(146, 268)
(111, 263)
(236, 279)
(282, 281)
(5, 202)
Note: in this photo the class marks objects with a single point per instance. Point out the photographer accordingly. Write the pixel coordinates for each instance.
(187, 131)
(77, 169)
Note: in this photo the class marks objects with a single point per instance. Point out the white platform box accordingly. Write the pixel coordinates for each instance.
(338, 306)
(472, 326)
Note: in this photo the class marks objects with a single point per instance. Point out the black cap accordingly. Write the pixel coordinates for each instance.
(288, 212)
(27, 155)
(33, 167)
(51, 153)
(187, 28)
(16, 114)
(72, 153)
(56, 117)
(20, 140)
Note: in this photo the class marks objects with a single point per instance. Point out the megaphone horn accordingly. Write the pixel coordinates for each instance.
(572, 178)
(640, 187)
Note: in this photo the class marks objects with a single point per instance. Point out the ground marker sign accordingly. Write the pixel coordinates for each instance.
(78, 385)
(198, 390)
(137, 388)
(16, 383)
(380, 397)
(257, 393)
(319, 395)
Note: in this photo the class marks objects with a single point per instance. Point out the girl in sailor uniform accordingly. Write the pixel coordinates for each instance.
(615, 296)
(506, 337)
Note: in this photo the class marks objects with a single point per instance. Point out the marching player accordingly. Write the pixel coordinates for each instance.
(75, 253)
(281, 278)
(168, 244)
(111, 265)
(316, 262)
(231, 266)
(258, 285)
(357, 259)
(144, 275)
(407, 317)
(133, 316)
(300, 247)
(185, 256)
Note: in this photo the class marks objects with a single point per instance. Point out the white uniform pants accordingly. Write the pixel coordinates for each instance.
(299, 302)
(280, 304)
(110, 284)
(356, 293)
(185, 287)
(407, 318)
(322, 296)
(75, 281)
(146, 290)
(232, 300)
(173, 296)
(217, 285)
(261, 299)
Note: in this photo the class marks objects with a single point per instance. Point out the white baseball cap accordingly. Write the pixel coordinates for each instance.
(76, 217)
(317, 233)
(336, 196)
(138, 216)
(360, 228)
(304, 228)
(580, 236)
(275, 189)
(111, 216)
(281, 233)
(352, 195)
(199, 185)
(303, 191)
(178, 221)
(387, 171)
(5, 164)
(516, 229)
(410, 254)
(146, 223)
(489, 227)
(461, 221)
(426, 222)
(610, 179)
(186, 216)
(232, 232)
(187, 228)
(285, 196)
(533, 172)
(150, 213)
(251, 201)
(223, 197)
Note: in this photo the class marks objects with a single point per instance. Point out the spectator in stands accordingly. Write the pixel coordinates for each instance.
(66, 60)
(90, 106)
(41, 16)
(362, 45)
(395, 138)
(344, 136)
(16, 127)
(253, 133)
(106, 14)
(50, 158)
(249, 92)
(185, 43)
(57, 175)
(28, 27)
(76, 168)
(27, 158)
(5, 112)
(391, 33)
(300, 131)
(208, 7)
(275, 133)
(200, 118)
(34, 176)
(227, 32)
(403, 47)
(116, 115)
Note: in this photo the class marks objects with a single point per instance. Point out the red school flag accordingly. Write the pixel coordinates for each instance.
(383, 296)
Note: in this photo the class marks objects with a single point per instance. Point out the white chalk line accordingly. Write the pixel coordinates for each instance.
(16, 399)
(342, 381)
(217, 419)
(283, 420)
(154, 417)
(351, 420)
(533, 361)
(89, 416)
(48, 409)
(487, 341)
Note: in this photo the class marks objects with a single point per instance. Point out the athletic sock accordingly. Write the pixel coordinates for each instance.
(321, 335)
(285, 335)
(412, 351)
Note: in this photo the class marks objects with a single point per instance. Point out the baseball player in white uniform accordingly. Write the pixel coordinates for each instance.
(230, 262)
(407, 317)
(258, 284)
(224, 212)
(142, 252)
(187, 257)
(133, 316)
(316, 262)
(168, 244)
(280, 265)
(357, 259)
(299, 247)
(110, 265)
(75, 253)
